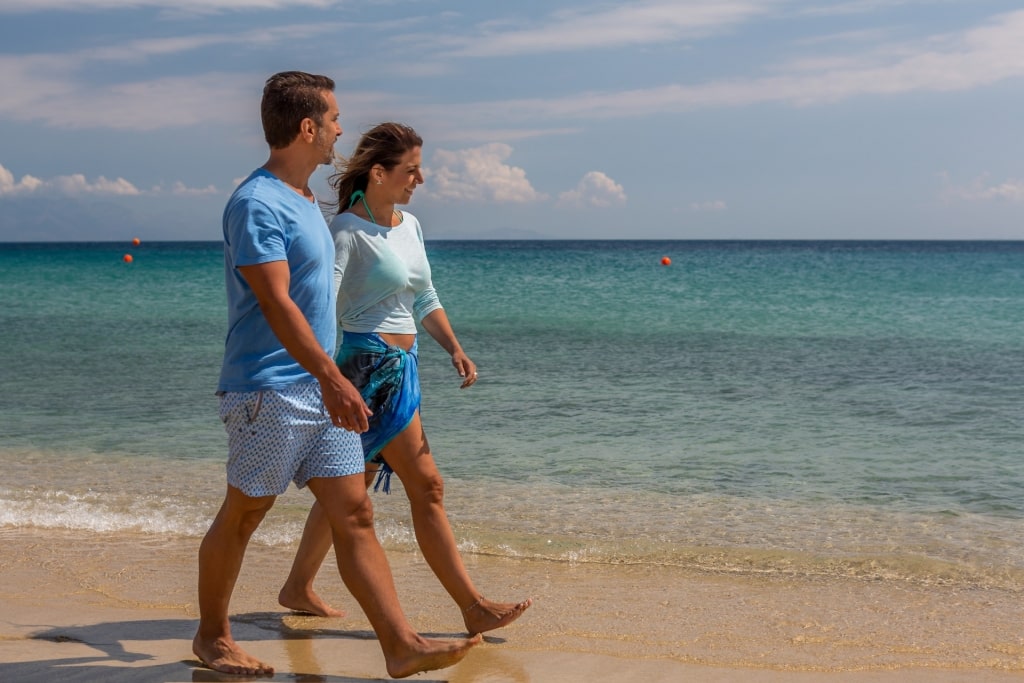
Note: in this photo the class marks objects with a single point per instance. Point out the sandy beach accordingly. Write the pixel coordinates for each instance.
(121, 607)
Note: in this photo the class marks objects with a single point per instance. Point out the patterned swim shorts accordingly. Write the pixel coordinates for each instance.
(280, 435)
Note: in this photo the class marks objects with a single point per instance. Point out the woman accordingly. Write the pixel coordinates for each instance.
(383, 277)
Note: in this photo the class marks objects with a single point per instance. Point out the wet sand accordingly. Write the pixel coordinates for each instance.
(80, 606)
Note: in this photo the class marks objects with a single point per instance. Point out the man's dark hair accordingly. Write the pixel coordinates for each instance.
(288, 98)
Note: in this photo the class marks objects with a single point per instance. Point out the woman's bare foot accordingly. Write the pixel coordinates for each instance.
(307, 602)
(428, 655)
(484, 615)
(224, 655)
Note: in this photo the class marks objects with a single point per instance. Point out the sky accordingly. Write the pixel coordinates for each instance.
(565, 119)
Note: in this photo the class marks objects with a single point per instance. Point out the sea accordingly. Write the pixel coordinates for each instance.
(810, 409)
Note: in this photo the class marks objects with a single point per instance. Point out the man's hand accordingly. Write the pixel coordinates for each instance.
(344, 404)
(270, 282)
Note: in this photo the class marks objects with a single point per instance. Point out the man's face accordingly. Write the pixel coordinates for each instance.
(330, 129)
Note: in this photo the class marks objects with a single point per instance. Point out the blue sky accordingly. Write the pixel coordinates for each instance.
(693, 119)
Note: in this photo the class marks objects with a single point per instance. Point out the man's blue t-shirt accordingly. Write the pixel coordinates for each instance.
(264, 221)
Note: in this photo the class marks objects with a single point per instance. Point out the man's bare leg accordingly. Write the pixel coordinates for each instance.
(220, 559)
(297, 593)
(364, 569)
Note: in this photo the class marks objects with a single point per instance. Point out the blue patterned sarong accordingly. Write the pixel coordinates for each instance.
(388, 380)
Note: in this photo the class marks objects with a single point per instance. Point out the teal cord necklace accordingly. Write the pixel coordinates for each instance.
(360, 196)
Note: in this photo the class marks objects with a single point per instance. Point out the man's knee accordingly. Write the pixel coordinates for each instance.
(361, 513)
(247, 512)
(344, 501)
(250, 519)
(353, 515)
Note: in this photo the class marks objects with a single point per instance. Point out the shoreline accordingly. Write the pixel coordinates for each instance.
(82, 606)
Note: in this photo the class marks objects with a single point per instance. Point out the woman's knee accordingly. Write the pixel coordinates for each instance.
(428, 489)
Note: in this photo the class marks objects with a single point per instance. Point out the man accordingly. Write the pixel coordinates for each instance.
(289, 413)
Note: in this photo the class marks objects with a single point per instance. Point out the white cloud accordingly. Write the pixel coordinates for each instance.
(75, 184)
(862, 36)
(983, 189)
(978, 57)
(198, 6)
(179, 188)
(9, 186)
(49, 86)
(45, 88)
(712, 205)
(479, 174)
(442, 131)
(54, 88)
(635, 23)
(831, 7)
(137, 50)
(78, 184)
(594, 189)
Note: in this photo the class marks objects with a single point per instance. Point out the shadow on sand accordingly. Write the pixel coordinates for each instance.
(117, 664)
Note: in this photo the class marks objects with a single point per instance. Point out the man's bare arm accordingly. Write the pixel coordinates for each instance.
(270, 283)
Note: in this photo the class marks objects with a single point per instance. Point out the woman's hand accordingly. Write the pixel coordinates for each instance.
(437, 326)
(465, 367)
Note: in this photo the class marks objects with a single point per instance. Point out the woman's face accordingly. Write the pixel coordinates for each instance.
(400, 182)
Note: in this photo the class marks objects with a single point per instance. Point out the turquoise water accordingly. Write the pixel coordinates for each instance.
(829, 408)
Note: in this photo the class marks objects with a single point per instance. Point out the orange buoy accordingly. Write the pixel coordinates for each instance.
(666, 261)
(136, 241)
(127, 258)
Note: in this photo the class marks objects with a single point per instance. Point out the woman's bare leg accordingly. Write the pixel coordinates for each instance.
(409, 456)
(365, 571)
(297, 593)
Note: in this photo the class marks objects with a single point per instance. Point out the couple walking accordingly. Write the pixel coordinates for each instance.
(294, 413)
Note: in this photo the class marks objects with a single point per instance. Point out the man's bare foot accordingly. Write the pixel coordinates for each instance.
(306, 602)
(427, 655)
(224, 655)
(484, 615)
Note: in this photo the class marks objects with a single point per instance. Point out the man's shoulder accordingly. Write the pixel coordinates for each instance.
(257, 186)
(263, 196)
